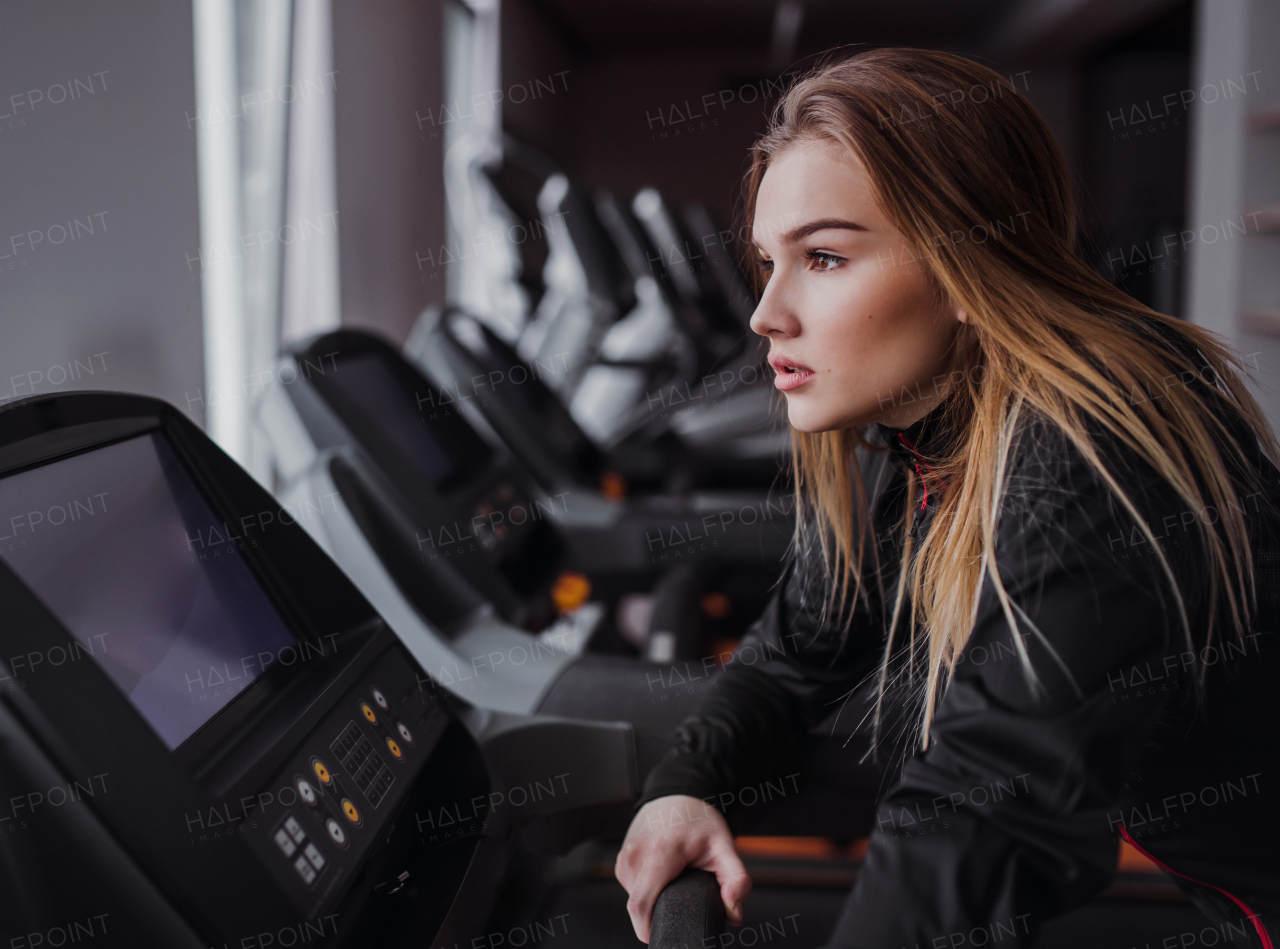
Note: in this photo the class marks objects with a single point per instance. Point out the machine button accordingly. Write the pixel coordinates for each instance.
(381, 700)
(394, 747)
(366, 746)
(405, 735)
(336, 833)
(295, 830)
(304, 870)
(369, 713)
(322, 772)
(284, 843)
(306, 792)
(315, 856)
(351, 812)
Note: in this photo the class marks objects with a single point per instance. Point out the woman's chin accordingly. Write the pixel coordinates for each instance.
(813, 419)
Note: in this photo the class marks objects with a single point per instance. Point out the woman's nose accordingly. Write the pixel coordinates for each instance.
(773, 318)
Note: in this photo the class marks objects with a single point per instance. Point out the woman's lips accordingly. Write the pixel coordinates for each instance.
(790, 374)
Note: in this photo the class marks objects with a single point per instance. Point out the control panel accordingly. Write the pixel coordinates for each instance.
(347, 780)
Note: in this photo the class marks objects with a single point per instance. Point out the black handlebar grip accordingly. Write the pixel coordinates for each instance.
(688, 913)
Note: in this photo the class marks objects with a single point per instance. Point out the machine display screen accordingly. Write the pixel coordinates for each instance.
(429, 434)
(123, 549)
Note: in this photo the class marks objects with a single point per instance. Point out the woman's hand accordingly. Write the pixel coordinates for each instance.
(667, 835)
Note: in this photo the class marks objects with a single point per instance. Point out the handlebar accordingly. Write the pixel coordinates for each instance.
(688, 914)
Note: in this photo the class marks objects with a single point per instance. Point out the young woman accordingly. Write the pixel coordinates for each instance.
(1040, 511)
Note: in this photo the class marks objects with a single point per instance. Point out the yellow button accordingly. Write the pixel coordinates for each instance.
(349, 809)
(322, 772)
(394, 748)
(368, 712)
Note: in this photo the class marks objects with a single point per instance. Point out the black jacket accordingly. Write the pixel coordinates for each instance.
(1013, 814)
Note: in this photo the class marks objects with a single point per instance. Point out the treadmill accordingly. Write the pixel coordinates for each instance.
(614, 321)
(416, 502)
(208, 737)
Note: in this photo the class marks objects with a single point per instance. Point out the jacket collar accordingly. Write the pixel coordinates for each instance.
(913, 447)
(917, 441)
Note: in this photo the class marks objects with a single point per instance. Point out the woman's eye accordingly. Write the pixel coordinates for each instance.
(764, 266)
(823, 261)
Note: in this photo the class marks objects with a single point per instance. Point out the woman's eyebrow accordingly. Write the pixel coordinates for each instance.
(804, 230)
(822, 224)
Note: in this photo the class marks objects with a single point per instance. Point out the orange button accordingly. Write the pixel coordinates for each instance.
(350, 810)
(394, 748)
(716, 605)
(570, 591)
(613, 486)
(369, 713)
(322, 772)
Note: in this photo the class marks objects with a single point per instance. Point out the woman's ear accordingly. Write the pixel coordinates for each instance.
(961, 315)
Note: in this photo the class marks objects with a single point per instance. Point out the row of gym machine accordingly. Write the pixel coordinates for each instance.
(372, 706)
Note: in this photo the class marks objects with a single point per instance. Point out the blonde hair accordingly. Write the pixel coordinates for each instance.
(952, 147)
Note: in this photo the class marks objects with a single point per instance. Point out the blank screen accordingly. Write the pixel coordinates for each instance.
(124, 550)
(368, 382)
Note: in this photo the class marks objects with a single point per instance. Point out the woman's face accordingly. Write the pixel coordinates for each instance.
(857, 332)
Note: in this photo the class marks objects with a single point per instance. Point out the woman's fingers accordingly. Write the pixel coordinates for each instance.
(656, 850)
(660, 867)
(731, 874)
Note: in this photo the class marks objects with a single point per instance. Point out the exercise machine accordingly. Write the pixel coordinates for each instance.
(209, 737)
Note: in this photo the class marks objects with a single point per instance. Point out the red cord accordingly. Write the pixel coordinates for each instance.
(1253, 917)
(918, 462)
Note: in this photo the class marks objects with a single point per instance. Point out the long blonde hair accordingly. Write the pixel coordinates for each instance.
(970, 175)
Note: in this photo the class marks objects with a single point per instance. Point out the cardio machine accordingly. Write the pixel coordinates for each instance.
(420, 501)
(615, 306)
(208, 737)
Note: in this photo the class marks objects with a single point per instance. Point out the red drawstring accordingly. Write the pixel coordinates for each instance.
(1253, 917)
(924, 502)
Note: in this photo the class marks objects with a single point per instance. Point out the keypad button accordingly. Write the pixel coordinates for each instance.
(305, 870)
(313, 854)
(322, 771)
(295, 829)
(306, 792)
(284, 843)
(336, 832)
